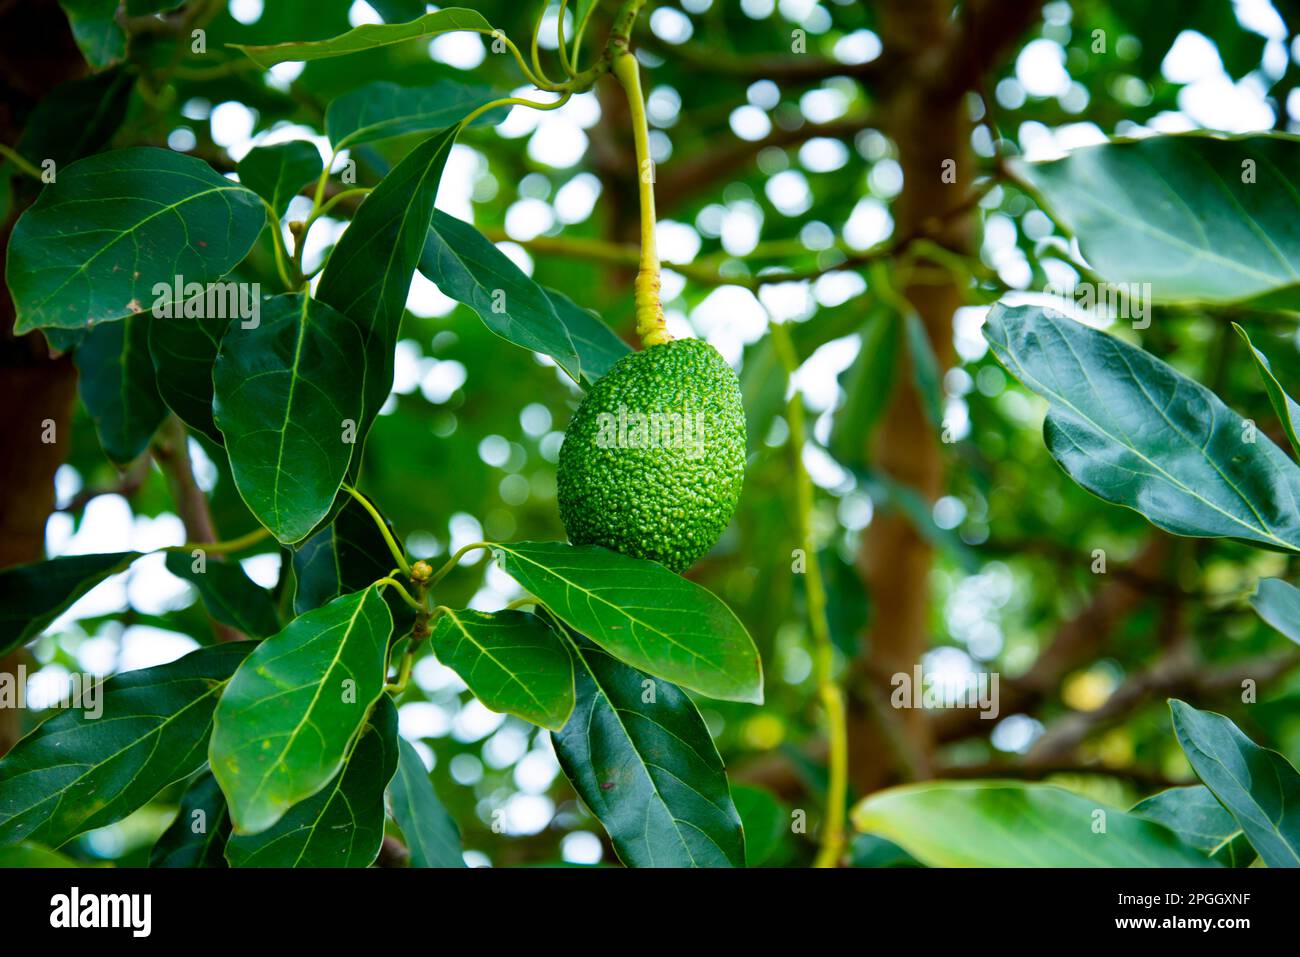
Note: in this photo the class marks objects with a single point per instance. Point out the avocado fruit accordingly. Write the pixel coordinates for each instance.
(654, 458)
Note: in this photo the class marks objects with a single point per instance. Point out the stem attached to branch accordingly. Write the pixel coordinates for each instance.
(832, 696)
(650, 324)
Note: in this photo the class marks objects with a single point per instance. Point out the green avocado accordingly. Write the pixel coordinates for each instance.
(654, 458)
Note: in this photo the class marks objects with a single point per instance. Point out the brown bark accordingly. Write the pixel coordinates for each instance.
(930, 127)
(36, 391)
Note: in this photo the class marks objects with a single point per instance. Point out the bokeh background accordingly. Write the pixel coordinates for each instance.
(798, 141)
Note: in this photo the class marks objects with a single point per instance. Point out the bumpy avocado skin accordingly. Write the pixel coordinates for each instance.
(669, 500)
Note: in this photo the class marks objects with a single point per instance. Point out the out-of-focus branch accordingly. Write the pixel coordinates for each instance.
(172, 452)
(689, 177)
(793, 68)
(989, 30)
(1181, 674)
(1020, 771)
(127, 486)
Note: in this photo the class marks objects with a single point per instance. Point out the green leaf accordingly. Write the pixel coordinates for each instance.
(377, 111)
(345, 556)
(597, 345)
(184, 350)
(118, 387)
(1259, 788)
(640, 757)
(512, 661)
(870, 850)
(1287, 409)
(643, 614)
(369, 272)
(197, 838)
(95, 28)
(277, 173)
(77, 118)
(925, 369)
(291, 713)
(32, 596)
(431, 834)
(1133, 431)
(1199, 820)
(288, 399)
(342, 825)
(230, 596)
(1278, 603)
(95, 243)
(766, 823)
(1180, 213)
(1009, 824)
(28, 855)
(867, 385)
(368, 36)
(150, 728)
(466, 265)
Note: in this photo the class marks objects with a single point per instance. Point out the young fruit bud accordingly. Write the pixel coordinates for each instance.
(421, 571)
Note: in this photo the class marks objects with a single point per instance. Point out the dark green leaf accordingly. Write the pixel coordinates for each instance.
(431, 834)
(1200, 217)
(468, 267)
(1278, 603)
(597, 345)
(32, 596)
(341, 825)
(1287, 409)
(369, 273)
(1259, 788)
(870, 850)
(288, 401)
(1133, 431)
(289, 716)
(368, 36)
(346, 556)
(765, 821)
(1009, 824)
(377, 111)
(1195, 816)
(118, 388)
(230, 595)
(512, 661)
(96, 30)
(97, 242)
(642, 613)
(77, 118)
(276, 173)
(925, 369)
(150, 728)
(867, 385)
(184, 351)
(399, 11)
(640, 757)
(197, 838)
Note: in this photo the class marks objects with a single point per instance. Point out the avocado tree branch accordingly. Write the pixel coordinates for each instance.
(172, 453)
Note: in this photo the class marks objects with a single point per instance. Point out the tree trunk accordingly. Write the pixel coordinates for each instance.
(929, 124)
(36, 391)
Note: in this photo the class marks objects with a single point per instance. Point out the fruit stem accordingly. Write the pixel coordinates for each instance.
(832, 696)
(650, 325)
(383, 529)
